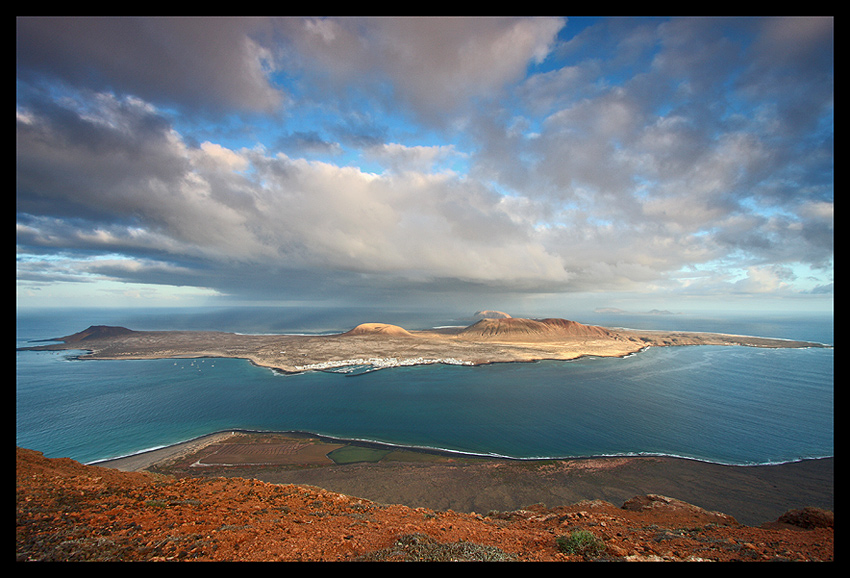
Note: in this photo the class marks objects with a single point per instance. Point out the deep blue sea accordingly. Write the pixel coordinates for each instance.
(732, 405)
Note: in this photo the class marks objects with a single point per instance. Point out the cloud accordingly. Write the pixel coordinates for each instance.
(213, 64)
(217, 205)
(423, 154)
(765, 280)
(401, 158)
(434, 66)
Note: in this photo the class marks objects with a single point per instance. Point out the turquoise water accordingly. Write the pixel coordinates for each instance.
(721, 404)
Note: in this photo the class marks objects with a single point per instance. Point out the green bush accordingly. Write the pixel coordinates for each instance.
(581, 543)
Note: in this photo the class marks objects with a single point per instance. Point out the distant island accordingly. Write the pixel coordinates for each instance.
(495, 338)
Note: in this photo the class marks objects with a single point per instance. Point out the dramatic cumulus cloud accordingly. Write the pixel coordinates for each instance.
(207, 63)
(276, 158)
(435, 65)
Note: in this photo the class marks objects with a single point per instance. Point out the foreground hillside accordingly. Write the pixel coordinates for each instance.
(69, 511)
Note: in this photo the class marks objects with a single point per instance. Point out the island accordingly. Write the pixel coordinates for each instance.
(370, 346)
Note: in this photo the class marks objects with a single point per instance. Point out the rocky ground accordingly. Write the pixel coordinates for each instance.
(66, 511)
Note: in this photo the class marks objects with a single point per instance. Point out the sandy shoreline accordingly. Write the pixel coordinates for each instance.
(149, 458)
(144, 460)
(466, 483)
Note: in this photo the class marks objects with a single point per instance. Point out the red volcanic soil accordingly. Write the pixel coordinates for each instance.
(66, 511)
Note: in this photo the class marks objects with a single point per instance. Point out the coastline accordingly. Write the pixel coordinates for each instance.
(377, 346)
(461, 481)
(148, 458)
(424, 477)
(145, 459)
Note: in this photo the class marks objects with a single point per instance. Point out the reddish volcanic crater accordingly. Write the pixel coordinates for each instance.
(514, 329)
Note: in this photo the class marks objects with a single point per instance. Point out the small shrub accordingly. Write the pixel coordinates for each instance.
(581, 543)
(420, 547)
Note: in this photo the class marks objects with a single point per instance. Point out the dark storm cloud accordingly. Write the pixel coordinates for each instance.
(193, 63)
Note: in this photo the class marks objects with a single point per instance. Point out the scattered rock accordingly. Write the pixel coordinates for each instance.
(655, 502)
(808, 518)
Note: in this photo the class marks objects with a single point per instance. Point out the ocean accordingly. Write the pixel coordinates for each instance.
(729, 405)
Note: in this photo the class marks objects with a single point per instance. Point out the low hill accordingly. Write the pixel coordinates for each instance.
(379, 329)
(532, 330)
(96, 332)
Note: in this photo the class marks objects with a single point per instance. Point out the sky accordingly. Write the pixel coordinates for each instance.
(541, 164)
